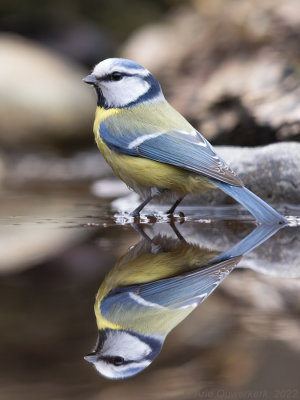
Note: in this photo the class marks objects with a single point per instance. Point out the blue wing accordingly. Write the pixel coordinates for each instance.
(187, 150)
(173, 293)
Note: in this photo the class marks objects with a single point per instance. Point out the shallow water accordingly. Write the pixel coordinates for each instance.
(242, 342)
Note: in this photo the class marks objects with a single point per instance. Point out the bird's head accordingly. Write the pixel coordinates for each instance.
(122, 83)
(120, 354)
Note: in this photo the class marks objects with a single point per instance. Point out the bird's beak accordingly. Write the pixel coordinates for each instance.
(90, 79)
(92, 357)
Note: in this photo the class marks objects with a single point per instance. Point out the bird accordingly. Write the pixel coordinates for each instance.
(153, 148)
(153, 287)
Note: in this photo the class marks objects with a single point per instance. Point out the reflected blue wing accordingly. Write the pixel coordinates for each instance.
(189, 151)
(174, 293)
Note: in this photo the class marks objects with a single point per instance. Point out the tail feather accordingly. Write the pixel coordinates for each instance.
(261, 211)
(258, 236)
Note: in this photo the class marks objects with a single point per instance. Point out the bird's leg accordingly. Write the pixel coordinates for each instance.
(177, 202)
(154, 192)
(155, 248)
(176, 231)
(141, 232)
(136, 212)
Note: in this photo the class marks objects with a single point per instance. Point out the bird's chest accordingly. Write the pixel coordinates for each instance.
(111, 157)
(143, 174)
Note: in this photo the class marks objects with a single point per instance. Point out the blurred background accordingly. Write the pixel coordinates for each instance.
(232, 68)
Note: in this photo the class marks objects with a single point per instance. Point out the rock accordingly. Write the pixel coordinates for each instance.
(278, 256)
(45, 167)
(153, 45)
(250, 102)
(272, 172)
(232, 69)
(42, 97)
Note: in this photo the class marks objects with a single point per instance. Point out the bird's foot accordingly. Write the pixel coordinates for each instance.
(137, 217)
(134, 214)
(151, 218)
(171, 214)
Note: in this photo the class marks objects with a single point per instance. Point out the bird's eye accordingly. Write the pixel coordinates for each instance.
(118, 360)
(116, 76)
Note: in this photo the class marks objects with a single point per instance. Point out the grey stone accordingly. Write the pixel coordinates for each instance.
(42, 96)
(233, 71)
(48, 167)
(272, 172)
(278, 256)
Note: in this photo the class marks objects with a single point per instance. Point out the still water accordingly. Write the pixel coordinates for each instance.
(242, 341)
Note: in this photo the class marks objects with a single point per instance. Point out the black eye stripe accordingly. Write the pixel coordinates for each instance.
(108, 77)
(115, 360)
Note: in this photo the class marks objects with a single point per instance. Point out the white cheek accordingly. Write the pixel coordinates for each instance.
(125, 345)
(111, 371)
(121, 93)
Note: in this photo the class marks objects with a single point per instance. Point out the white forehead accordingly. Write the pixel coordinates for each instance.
(120, 65)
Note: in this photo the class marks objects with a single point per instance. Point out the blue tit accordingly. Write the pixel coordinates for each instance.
(150, 290)
(152, 147)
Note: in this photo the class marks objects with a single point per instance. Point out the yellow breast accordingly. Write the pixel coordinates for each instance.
(146, 172)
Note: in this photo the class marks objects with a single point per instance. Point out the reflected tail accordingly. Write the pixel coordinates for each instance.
(259, 235)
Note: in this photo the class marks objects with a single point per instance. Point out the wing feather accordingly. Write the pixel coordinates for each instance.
(174, 293)
(182, 148)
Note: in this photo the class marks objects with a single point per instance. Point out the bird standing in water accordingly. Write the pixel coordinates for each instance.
(153, 148)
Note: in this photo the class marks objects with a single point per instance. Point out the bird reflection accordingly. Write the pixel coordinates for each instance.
(150, 290)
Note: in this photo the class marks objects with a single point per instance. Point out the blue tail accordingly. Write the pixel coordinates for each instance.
(259, 235)
(260, 210)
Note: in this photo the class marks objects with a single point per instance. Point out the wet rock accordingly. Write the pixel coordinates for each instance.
(270, 171)
(278, 256)
(42, 97)
(233, 69)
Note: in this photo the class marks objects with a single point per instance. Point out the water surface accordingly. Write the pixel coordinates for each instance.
(242, 341)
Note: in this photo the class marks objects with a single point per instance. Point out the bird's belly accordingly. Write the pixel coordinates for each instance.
(142, 174)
